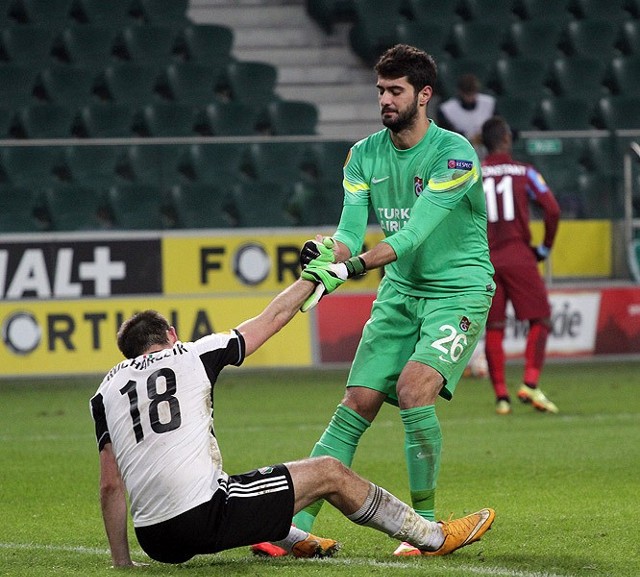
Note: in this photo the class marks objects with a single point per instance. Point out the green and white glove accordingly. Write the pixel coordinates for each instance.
(329, 277)
(314, 249)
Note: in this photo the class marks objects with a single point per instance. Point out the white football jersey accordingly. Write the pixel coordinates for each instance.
(157, 411)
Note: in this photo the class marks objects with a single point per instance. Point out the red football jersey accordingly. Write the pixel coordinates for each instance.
(509, 187)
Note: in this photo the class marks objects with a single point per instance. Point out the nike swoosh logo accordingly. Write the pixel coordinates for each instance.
(375, 180)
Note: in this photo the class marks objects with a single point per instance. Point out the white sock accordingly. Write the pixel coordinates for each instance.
(382, 511)
(295, 536)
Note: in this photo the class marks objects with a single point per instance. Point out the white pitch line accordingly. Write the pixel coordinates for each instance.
(486, 571)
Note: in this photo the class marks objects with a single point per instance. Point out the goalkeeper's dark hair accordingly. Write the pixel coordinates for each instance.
(142, 331)
(403, 60)
(494, 131)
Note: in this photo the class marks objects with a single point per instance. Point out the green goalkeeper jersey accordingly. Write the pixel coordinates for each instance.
(430, 204)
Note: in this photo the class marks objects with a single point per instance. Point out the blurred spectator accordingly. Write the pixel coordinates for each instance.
(466, 112)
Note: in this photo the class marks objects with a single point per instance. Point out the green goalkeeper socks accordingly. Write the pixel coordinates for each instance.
(340, 440)
(423, 446)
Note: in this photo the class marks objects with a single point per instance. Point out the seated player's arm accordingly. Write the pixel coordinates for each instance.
(114, 508)
(257, 330)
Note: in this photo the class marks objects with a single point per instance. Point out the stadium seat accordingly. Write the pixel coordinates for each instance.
(275, 161)
(114, 13)
(92, 165)
(558, 10)
(478, 39)
(624, 75)
(581, 76)
(600, 155)
(598, 196)
(192, 83)
(203, 205)
(6, 121)
(329, 12)
(77, 207)
(611, 9)
(165, 119)
(104, 120)
(619, 112)
(165, 12)
(538, 38)
(30, 165)
(290, 117)
(17, 82)
(316, 203)
(594, 37)
(29, 44)
(566, 113)
(151, 164)
(215, 163)
(324, 160)
(440, 11)
(87, 45)
(521, 76)
(149, 44)
(18, 210)
(44, 120)
(263, 204)
(129, 83)
(5, 18)
(205, 43)
(250, 82)
(68, 85)
(374, 30)
(432, 37)
(498, 12)
(518, 111)
(138, 207)
(227, 119)
(629, 41)
(53, 13)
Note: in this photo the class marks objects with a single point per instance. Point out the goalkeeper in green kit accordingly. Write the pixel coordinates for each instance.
(424, 185)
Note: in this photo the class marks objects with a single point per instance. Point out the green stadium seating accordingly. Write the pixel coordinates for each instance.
(92, 165)
(518, 111)
(155, 165)
(215, 163)
(165, 12)
(138, 207)
(521, 76)
(432, 37)
(165, 119)
(451, 69)
(205, 43)
(87, 45)
(67, 85)
(250, 82)
(30, 165)
(291, 117)
(114, 13)
(129, 83)
(581, 76)
(28, 44)
(566, 113)
(149, 44)
(316, 203)
(203, 205)
(53, 13)
(104, 120)
(594, 37)
(478, 39)
(619, 112)
(624, 75)
(324, 160)
(498, 12)
(263, 204)
(538, 38)
(6, 121)
(17, 82)
(44, 121)
(629, 41)
(441, 11)
(374, 30)
(328, 12)
(276, 161)
(18, 210)
(227, 119)
(76, 207)
(610, 9)
(192, 83)
(534, 9)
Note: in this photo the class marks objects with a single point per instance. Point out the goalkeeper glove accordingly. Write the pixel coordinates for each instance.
(329, 277)
(314, 249)
(541, 252)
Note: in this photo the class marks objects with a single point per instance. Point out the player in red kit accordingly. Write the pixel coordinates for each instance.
(510, 186)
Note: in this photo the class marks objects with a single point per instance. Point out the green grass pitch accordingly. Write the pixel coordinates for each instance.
(566, 488)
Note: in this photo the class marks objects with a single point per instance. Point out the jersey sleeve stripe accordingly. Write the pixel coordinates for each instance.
(455, 182)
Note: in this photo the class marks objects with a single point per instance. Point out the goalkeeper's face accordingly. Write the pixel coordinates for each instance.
(398, 103)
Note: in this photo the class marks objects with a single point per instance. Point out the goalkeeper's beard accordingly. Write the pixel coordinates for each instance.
(403, 120)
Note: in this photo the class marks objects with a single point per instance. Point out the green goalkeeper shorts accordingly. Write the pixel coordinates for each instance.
(441, 333)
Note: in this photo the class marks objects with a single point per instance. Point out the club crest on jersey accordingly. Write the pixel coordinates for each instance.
(465, 324)
(266, 470)
(452, 163)
(418, 185)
